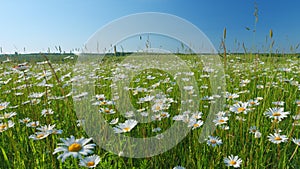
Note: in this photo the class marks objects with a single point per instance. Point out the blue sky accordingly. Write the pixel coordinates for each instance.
(37, 25)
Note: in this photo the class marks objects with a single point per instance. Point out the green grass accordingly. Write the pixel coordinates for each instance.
(18, 151)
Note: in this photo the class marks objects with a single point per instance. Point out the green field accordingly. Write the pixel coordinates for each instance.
(259, 119)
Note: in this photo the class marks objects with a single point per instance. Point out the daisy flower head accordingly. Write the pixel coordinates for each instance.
(3, 105)
(278, 103)
(25, 120)
(298, 103)
(276, 113)
(33, 124)
(213, 141)
(39, 135)
(5, 126)
(277, 138)
(8, 115)
(194, 123)
(220, 120)
(253, 129)
(90, 161)
(127, 126)
(107, 111)
(74, 147)
(239, 107)
(233, 161)
(253, 102)
(46, 112)
(296, 141)
(231, 96)
(178, 167)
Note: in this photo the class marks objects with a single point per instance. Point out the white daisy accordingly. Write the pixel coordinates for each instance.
(277, 138)
(90, 161)
(276, 113)
(127, 126)
(74, 147)
(3, 105)
(234, 161)
(214, 141)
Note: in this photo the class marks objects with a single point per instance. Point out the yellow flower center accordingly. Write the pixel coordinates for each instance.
(277, 138)
(230, 97)
(3, 126)
(232, 162)
(2, 107)
(221, 121)
(276, 114)
(126, 129)
(75, 147)
(163, 115)
(241, 109)
(157, 108)
(106, 111)
(90, 163)
(252, 102)
(40, 136)
(196, 125)
(213, 141)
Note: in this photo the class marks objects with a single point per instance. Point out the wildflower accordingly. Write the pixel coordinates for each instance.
(39, 135)
(234, 161)
(8, 115)
(25, 120)
(3, 105)
(298, 103)
(114, 121)
(257, 134)
(231, 96)
(276, 113)
(49, 129)
(156, 129)
(277, 138)
(100, 97)
(127, 126)
(164, 115)
(296, 141)
(253, 102)
(253, 129)
(278, 103)
(213, 141)
(107, 111)
(239, 108)
(220, 120)
(90, 161)
(159, 136)
(194, 123)
(74, 147)
(33, 124)
(5, 126)
(178, 167)
(47, 112)
(36, 95)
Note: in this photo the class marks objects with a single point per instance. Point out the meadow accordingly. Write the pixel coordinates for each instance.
(258, 126)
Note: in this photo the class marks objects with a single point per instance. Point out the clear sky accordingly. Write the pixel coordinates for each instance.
(37, 25)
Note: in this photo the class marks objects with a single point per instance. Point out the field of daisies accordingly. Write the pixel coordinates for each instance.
(257, 126)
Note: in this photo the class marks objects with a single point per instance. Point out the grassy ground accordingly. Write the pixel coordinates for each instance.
(260, 79)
